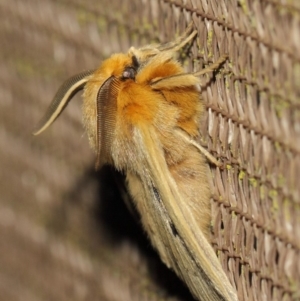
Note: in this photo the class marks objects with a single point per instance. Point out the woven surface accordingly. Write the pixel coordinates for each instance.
(65, 233)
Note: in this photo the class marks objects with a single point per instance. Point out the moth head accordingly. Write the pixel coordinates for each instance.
(103, 91)
(100, 100)
(150, 67)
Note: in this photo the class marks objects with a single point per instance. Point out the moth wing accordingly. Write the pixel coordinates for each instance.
(171, 225)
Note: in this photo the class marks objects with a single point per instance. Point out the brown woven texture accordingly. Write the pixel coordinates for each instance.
(65, 232)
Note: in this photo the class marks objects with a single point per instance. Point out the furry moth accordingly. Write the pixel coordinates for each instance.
(141, 113)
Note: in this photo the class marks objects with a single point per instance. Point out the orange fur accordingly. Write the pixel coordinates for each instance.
(190, 111)
(138, 103)
(113, 66)
(156, 71)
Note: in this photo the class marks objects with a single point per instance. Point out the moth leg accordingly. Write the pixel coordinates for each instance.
(189, 140)
(212, 67)
(181, 41)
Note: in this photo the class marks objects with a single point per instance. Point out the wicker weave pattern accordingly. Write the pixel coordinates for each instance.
(49, 193)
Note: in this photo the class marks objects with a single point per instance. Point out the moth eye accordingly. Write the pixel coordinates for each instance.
(129, 72)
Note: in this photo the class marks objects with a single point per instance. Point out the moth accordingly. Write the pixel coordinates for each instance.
(141, 112)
